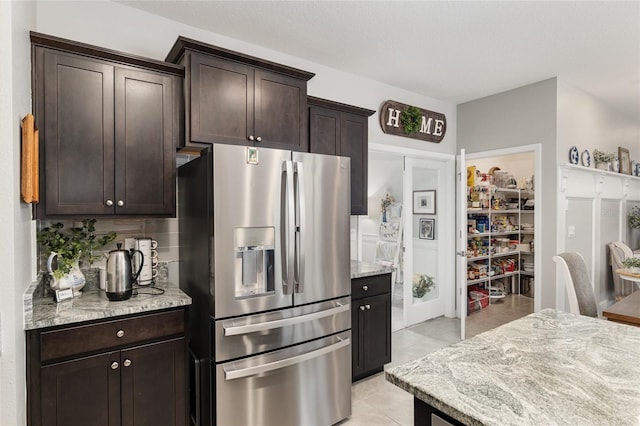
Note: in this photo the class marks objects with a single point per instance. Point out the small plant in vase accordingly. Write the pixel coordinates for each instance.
(67, 248)
(632, 264)
(422, 284)
(386, 201)
(603, 159)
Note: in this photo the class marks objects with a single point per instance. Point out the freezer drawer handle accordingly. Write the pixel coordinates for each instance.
(258, 369)
(252, 328)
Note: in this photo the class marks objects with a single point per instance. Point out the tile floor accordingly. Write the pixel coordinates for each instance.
(376, 402)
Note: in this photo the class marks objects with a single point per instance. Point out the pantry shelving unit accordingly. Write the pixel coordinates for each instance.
(499, 246)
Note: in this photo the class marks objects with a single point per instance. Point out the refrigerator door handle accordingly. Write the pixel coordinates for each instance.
(287, 234)
(300, 226)
(269, 325)
(231, 374)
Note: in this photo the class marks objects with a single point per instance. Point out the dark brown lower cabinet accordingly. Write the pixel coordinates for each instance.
(370, 325)
(137, 384)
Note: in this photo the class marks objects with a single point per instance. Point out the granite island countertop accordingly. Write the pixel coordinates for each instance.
(42, 311)
(547, 368)
(361, 269)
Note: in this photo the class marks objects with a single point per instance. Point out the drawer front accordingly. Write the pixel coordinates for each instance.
(370, 286)
(109, 334)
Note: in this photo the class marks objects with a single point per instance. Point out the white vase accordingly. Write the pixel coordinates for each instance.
(417, 299)
(74, 279)
(602, 165)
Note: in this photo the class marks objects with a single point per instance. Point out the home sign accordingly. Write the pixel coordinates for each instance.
(412, 122)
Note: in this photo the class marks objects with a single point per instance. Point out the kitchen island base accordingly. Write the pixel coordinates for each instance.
(426, 415)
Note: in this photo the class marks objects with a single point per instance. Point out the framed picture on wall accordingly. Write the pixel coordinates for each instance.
(625, 161)
(424, 202)
(426, 229)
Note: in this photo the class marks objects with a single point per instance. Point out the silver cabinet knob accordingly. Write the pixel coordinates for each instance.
(362, 308)
(127, 362)
(368, 307)
(365, 288)
(251, 137)
(109, 203)
(259, 139)
(120, 203)
(120, 333)
(114, 365)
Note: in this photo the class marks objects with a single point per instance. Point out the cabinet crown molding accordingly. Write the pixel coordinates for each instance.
(183, 44)
(44, 40)
(326, 103)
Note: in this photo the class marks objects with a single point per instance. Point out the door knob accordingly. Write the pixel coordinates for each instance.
(120, 203)
(120, 333)
(109, 203)
(362, 308)
(114, 365)
(365, 288)
(259, 138)
(127, 362)
(251, 137)
(368, 307)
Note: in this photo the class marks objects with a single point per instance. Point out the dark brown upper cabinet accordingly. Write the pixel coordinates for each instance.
(340, 129)
(239, 99)
(110, 124)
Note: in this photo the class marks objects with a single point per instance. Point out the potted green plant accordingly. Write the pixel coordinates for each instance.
(422, 284)
(67, 248)
(632, 264)
(603, 159)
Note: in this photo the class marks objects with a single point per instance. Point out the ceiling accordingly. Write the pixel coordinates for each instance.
(455, 51)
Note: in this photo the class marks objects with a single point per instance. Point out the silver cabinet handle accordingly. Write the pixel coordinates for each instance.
(114, 365)
(120, 203)
(127, 362)
(263, 326)
(362, 308)
(300, 226)
(251, 137)
(365, 287)
(109, 203)
(120, 333)
(368, 307)
(259, 139)
(263, 368)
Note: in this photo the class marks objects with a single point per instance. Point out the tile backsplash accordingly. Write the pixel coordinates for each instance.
(164, 231)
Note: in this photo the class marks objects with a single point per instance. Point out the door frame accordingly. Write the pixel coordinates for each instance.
(448, 293)
(536, 149)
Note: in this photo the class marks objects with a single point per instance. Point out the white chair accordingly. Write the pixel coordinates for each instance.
(618, 252)
(580, 295)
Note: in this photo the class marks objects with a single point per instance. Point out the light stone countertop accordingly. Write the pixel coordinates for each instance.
(548, 368)
(42, 311)
(361, 269)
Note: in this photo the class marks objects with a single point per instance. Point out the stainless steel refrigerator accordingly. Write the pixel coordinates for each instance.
(265, 256)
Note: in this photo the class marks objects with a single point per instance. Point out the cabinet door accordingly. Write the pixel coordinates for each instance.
(376, 331)
(357, 346)
(154, 384)
(221, 107)
(354, 144)
(280, 111)
(81, 392)
(324, 130)
(78, 135)
(145, 141)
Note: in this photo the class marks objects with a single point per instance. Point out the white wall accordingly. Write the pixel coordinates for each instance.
(523, 116)
(589, 123)
(17, 255)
